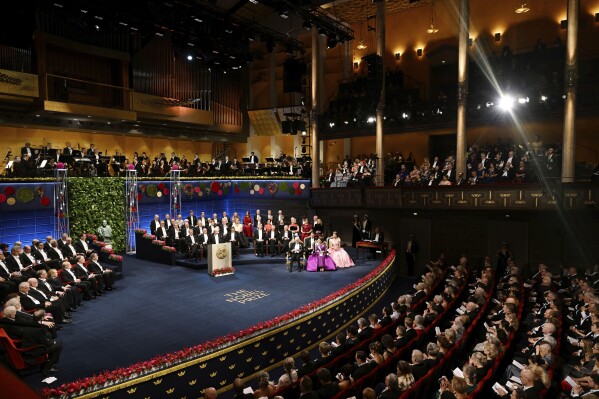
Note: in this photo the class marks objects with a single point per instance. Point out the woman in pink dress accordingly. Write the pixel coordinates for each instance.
(341, 258)
(248, 227)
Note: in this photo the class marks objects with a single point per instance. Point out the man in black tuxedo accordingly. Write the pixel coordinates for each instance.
(68, 150)
(27, 259)
(47, 243)
(361, 366)
(81, 246)
(410, 333)
(192, 242)
(168, 222)
(193, 220)
(233, 237)
(411, 251)
(296, 249)
(204, 238)
(47, 287)
(419, 369)
(96, 282)
(27, 150)
(69, 251)
(108, 275)
(286, 237)
(31, 336)
(216, 237)
(392, 390)
(162, 232)
(69, 277)
(309, 244)
(32, 300)
(364, 329)
(378, 237)
(273, 241)
(366, 228)
(154, 224)
(14, 264)
(54, 253)
(328, 388)
(175, 237)
(253, 158)
(259, 240)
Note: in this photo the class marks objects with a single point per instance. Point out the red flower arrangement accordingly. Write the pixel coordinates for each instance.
(101, 244)
(222, 270)
(115, 258)
(9, 190)
(149, 236)
(141, 188)
(112, 377)
(141, 231)
(92, 237)
(188, 189)
(107, 250)
(158, 242)
(169, 249)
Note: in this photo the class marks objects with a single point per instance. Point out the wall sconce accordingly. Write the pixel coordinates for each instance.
(355, 65)
(563, 24)
(470, 41)
(597, 17)
(419, 52)
(497, 37)
(397, 56)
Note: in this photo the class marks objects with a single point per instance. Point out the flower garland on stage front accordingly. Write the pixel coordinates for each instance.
(119, 375)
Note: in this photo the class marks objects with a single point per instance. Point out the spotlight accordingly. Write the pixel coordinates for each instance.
(523, 100)
(331, 124)
(371, 119)
(397, 56)
(506, 103)
(522, 9)
(189, 57)
(331, 42)
(254, 1)
(303, 134)
(497, 37)
(419, 52)
(543, 99)
(284, 14)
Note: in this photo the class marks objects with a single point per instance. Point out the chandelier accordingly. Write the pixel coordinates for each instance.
(432, 26)
(522, 9)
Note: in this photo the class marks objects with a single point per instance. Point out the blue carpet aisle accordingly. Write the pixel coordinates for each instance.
(157, 309)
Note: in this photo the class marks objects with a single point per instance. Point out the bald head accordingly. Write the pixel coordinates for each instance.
(210, 393)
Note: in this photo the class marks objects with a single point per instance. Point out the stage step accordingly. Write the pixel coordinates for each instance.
(244, 258)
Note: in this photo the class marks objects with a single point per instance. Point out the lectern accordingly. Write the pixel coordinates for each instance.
(219, 257)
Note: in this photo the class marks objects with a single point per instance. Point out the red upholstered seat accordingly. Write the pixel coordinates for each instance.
(14, 354)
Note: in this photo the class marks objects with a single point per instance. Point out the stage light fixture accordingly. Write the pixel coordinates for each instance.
(397, 56)
(522, 9)
(563, 24)
(506, 102)
(497, 37)
(355, 65)
(597, 17)
(419, 52)
(189, 57)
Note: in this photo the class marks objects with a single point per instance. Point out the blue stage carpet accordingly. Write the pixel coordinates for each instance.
(157, 309)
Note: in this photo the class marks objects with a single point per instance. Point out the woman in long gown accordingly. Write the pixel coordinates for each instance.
(248, 226)
(339, 255)
(293, 227)
(238, 227)
(320, 259)
(318, 228)
(306, 229)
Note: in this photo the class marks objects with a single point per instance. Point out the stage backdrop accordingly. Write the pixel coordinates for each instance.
(26, 211)
(217, 196)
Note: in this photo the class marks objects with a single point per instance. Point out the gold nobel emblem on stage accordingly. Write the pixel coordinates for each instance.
(221, 253)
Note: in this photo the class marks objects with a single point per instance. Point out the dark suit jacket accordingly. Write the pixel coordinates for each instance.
(188, 240)
(365, 333)
(392, 393)
(221, 239)
(362, 370)
(328, 391)
(53, 253)
(79, 246)
(67, 252)
(81, 272)
(410, 334)
(171, 232)
(256, 235)
(160, 235)
(154, 224)
(28, 303)
(193, 220)
(94, 267)
(419, 370)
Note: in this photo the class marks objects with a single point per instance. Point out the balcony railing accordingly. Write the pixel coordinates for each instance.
(76, 91)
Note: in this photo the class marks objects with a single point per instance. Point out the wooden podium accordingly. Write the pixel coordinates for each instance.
(219, 257)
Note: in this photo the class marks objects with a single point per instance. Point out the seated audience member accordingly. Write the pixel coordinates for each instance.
(162, 231)
(361, 366)
(265, 387)
(107, 274)
(31, 336)
(81, 246)
(68, 276)
(14, 264)
(81, 271)
(328, 388)
(32, 300)
(290, 375)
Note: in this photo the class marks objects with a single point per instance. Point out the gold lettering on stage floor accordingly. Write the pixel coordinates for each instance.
(243, 296)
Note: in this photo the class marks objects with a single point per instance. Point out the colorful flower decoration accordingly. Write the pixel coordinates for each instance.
(296, 185)
(214, 187)
(256, 187)
(25, 195)
(160, 186)
(2, 198)
(151, 190)
(159, 194)
(283, 186)
(261, 191)
(39, 191)
(45, 201)
(298, 191)
(141, 188)
(11, 201)
(131, 166)
(272, 188)
(9, 190)
(166, 191)
(220, 193)
(197, 190)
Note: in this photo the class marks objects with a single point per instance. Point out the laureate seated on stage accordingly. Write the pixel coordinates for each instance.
(82, 272)
(309, 243)
(14, 264)
(33, 300)
(296, 251)
(69, 251)
(234, 238)
(285, 237)
(68, 276)
(71, 297)
(216, 236)
(259, 240)
(107, 274)
(82, 247)
(273, 241)
(162, 232)
(31, 335)
(175, 237)
(193, 243)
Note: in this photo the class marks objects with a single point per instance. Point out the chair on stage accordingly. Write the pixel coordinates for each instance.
(15, 355)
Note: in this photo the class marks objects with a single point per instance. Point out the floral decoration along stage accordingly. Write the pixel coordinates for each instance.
(206, 189)
(119, 375)
(223, 271)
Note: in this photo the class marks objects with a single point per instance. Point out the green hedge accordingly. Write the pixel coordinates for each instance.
(92, 200)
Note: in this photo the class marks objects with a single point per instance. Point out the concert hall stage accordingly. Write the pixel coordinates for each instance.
(156, 309)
